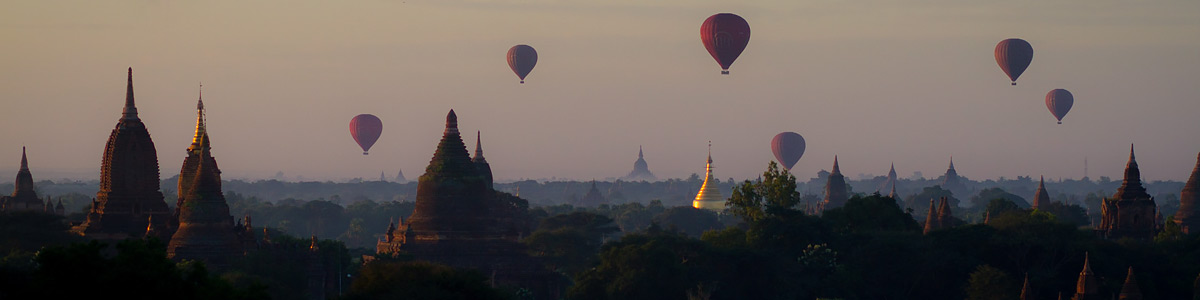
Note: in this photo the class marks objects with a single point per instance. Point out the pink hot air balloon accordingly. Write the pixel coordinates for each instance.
(1014, 56)
(1059, 101)
(788, 148)
(522, 58)
(365, 129)
(725, 35)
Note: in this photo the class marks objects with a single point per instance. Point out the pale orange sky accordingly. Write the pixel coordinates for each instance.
(872, 81)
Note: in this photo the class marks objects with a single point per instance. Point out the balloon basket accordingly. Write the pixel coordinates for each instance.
(1014, 83)
(724, 72)
(1060, 122)
(364, 153)
(522, 82)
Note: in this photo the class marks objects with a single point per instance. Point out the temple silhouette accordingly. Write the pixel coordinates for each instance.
(460, 221)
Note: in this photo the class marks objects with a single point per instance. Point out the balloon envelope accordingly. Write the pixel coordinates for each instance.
(1013, 56)
(522, 58)
(788, 148)
(725, 35)
(365, 129)
(1059, 101)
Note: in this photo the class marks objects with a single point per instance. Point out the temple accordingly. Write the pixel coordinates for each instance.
(206, 231)
(954, 183)
(641, 171)
(1131, 212)
(593, 198)
(709, 197)
(129, 193)
(1188, 216)
(1041, 197)
(835, 188)
(890, 183)
(1026, 290)
(1086, 287)
(1130, 290)
(461, 222)
(24, 197)
(940, 216)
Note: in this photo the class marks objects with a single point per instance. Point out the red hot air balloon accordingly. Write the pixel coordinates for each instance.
(788, 148)
(365, 129)
(1013, 56)
(725, 35)
(522, 58)
(1059, 101)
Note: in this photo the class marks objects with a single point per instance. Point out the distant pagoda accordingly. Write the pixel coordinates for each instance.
(1041, 197)
(709, 196)
(939, 217)
(593, 197)
(1131, 212)
(1130, 290)
(890, 182)
(835, 188)
(460, 221)
(1188, 216)
(206, 231)
(481, 164)
(129, 193)
(641, 171)
(952, 182)
(24, 197)
(1086, 287)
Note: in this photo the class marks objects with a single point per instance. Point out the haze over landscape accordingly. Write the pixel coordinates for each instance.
(873, 82)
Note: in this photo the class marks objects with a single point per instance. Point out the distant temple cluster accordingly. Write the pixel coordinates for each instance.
(460, 221)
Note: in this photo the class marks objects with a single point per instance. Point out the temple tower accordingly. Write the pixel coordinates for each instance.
(1130, 213)
(835, 188)
(1026, 290)
(129, 184)
(481, 164)
(593, 197)
(1086, 287)
(1130, 290)
(451, 193)
(890, 183)
(1041, 197)
(709, 197)
(641, 171)
(206, 230)
(23, 197)
(940, 216)
(1188, 216)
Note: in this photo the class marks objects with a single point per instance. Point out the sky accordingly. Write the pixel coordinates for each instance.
(871, 81)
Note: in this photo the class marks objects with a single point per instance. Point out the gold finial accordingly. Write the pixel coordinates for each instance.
(200, 140)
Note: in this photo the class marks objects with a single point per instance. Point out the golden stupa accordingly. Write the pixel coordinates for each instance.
(709, 196)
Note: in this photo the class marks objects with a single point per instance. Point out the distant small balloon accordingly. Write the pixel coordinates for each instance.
(1014, 56)
(365, 129)
(725, 35)
(1059, 101)
(522, 58)
(788, 148)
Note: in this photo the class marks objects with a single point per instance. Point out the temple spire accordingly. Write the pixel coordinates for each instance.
(478, 147)
(836, 169)
(24, 161)
(1130, 290)
(1026, 291)
(1041, 197)
(1131, 186)
(952, 162)
(451, 123)
(130, 110)
(200, 140)
(640, 151)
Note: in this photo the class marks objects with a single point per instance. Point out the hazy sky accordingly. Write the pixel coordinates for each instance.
(872, 81)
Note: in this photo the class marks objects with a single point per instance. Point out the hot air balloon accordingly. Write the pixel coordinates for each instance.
(788, 148)
(1059, 101)
(365, 129)
(522, 58)
(725, 35)
(1014, 56)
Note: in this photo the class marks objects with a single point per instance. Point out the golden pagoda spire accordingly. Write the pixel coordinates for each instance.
(200, 140)
(709, 196)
